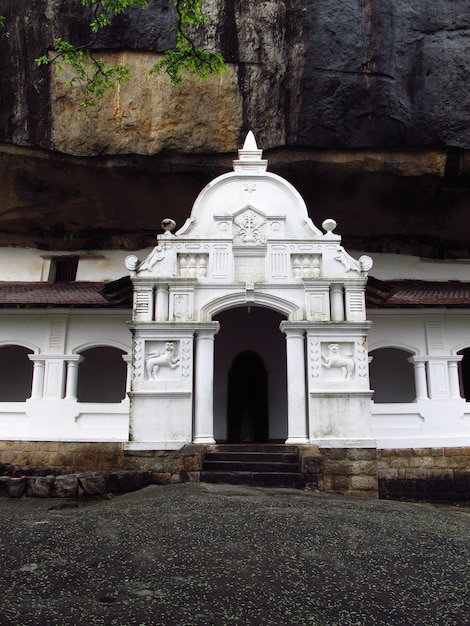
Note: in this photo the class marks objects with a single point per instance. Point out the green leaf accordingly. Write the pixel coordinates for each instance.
(96, 77)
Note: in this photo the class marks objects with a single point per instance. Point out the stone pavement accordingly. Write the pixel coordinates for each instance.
(199, 554)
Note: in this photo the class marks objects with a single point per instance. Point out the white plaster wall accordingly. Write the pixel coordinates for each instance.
(444, 421)
(24, 264)
(28, 265)
(406, 329)
(57, 418)
(404, 267)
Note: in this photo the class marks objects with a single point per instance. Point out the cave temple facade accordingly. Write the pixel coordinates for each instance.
(248, 323)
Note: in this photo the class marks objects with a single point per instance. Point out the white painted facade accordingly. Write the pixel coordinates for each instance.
(248, 248)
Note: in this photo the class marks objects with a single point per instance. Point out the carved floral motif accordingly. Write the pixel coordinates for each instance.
(250, 224)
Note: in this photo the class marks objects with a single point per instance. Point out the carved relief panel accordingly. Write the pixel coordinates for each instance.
(337, 361)
(161, 359)
(181, 306)
(193, 265)
(250, 228)
(306, 266)
(317, 300)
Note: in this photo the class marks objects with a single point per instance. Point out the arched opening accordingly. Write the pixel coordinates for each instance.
(102, 375)
(253, 332)
(247, 399)
(392, 376)
(464, 373)
(16, 374)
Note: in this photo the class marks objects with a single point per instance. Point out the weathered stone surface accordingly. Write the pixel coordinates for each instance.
(191, 457)
(190, 477)
(65, 486)
(16, 487)
(12, 487)
(309, 72)
(360, 106)
(311, 465)
(362, 454)
(39, 486)
(364, 483)
(123, 482)
(148, 116)
(161, 478)
(350, 468)
(92, 485)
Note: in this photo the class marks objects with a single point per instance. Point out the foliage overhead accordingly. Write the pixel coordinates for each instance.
(3, 32)
(96, 76)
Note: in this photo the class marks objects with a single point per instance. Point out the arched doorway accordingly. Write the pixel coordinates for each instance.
(16, 373)
(250, 339)
(102, 375)
(392, 376)
(247, 399)
(464, 373)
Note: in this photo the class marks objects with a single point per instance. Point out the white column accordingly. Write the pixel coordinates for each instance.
(127, 358)
(337, 302)
(161, 309)
(296, 391)
(72, 377)
(37, 387)
(420, 378)
(204, 384)
(454, 383)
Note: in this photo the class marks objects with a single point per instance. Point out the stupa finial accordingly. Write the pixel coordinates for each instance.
(250, 142)
(249, 157)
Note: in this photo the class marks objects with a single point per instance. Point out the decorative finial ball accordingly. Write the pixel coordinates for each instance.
(131, 262)
(168, 225)
(329, 225)
(365, 262)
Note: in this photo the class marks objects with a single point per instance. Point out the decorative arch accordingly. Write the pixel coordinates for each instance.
(250, 330)
(102, 375)
(104, 343)
(395, 344)
(268, 301)
(21, 343)
(16, 372)
(458, 349)
(464, 372)
(392, 375)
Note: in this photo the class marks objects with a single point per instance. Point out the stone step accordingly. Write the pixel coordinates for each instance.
(249, 457)
(266, 464)
(254, 447)
(242, 465)
(261, 479)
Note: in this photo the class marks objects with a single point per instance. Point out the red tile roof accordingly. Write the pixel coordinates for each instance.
(76, 294)
(414, 293)
(392, 294)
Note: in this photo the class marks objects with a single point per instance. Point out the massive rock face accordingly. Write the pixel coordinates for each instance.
(362, 105)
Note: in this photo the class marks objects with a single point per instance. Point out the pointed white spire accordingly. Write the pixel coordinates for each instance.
(250, 142)
(249, 157)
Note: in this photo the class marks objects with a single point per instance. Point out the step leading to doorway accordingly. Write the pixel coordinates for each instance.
(275, 465)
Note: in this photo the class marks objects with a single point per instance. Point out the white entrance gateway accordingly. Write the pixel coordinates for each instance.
(249, 244)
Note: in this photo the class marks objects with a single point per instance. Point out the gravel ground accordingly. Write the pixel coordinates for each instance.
(200, 554)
